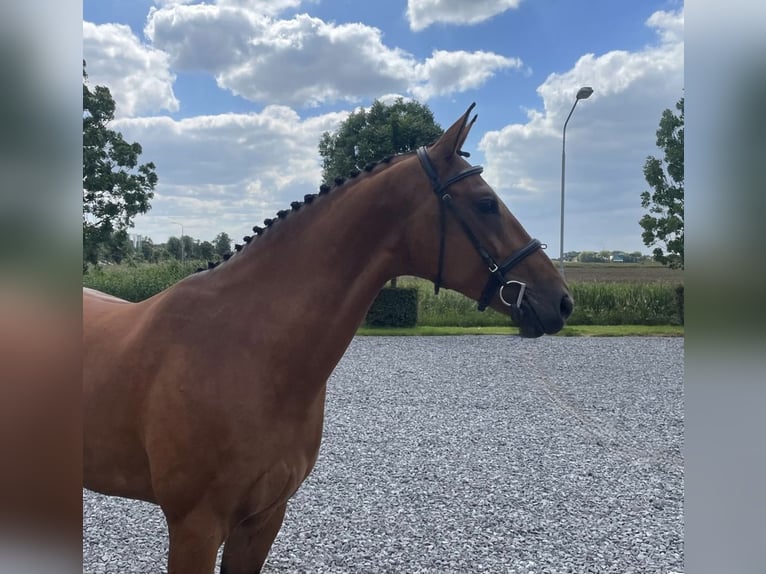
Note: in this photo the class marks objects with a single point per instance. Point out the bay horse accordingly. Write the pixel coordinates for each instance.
(208, 398)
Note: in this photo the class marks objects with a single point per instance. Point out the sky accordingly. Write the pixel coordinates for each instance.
(229, 99)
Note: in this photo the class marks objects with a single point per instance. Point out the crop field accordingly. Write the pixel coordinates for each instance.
(621, 273)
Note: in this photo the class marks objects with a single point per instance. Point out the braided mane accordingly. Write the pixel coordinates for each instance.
(324, 189)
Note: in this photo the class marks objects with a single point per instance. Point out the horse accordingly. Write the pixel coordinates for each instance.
(208, 398)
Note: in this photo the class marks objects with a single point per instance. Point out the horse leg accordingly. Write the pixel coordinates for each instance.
(194, 543)
(249, 543)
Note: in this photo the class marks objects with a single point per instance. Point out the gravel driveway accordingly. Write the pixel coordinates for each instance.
(472, 454)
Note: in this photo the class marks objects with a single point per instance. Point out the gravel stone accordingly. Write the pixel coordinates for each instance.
(471, 454)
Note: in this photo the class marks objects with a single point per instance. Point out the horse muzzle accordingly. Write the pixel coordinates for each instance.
(534, 320)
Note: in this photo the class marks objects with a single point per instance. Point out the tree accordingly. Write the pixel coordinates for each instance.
(119, 247)
(189, 247)
(174, 247)
(115, 187)
(147, 250)
(206, 250)
(664, 224)
(222, 244)
(571, 255)
(589, 257)
(367, 136)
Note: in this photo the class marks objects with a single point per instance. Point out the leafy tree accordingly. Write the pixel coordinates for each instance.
(205, 250)
(174, 247)
(119, 247)
(115, 187)
(589, 257)
(664, 223)
(222, 244)
(571, 255)
(161, 253)
(189, 248)
(369, 135)
(147, 250)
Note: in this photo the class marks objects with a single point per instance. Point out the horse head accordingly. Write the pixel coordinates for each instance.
(468, 240)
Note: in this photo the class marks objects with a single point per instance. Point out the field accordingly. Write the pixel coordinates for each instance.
(621, 273)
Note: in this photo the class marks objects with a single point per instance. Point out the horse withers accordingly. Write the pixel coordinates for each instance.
(208, 398)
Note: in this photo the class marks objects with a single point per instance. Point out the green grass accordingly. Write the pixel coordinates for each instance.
(624, 304)
(138, 282)
(573, 331)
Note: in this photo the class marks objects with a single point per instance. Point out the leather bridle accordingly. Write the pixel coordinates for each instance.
(497, 271)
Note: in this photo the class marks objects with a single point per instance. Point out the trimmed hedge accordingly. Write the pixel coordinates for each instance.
(394, 307)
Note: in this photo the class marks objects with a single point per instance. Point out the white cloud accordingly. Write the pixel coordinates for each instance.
(259, 6)
(327, 62)
(227, 172)
(423, 13)
(608, 138)
(270, 7)
(138, 76)
(449, 72)
(669, 25)
(248, 52)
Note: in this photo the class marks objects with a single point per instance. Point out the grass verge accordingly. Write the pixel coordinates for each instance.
(573, 331)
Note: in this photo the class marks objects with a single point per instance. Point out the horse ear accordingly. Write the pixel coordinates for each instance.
(452, 140)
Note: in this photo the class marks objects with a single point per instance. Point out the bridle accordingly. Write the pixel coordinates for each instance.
(497, 271)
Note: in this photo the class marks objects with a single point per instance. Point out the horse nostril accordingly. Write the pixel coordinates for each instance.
(567, 306)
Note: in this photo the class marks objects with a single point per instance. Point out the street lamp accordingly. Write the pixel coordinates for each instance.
(182, 238)
(582, 94)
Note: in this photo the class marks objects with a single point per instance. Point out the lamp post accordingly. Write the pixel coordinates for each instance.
(582, 94)
(182, 238)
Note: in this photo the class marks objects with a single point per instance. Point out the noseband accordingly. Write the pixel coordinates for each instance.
(497, 271)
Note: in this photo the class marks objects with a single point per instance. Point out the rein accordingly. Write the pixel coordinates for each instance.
(497, 271)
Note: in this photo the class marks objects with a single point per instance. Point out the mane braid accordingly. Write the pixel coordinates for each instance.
(296, 205)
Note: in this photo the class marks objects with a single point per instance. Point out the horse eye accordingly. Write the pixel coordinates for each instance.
(487, 205)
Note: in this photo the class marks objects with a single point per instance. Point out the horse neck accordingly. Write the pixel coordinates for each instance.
(309, 279)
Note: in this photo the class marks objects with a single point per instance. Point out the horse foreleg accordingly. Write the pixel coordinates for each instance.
(249, 543)
(194, 543)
